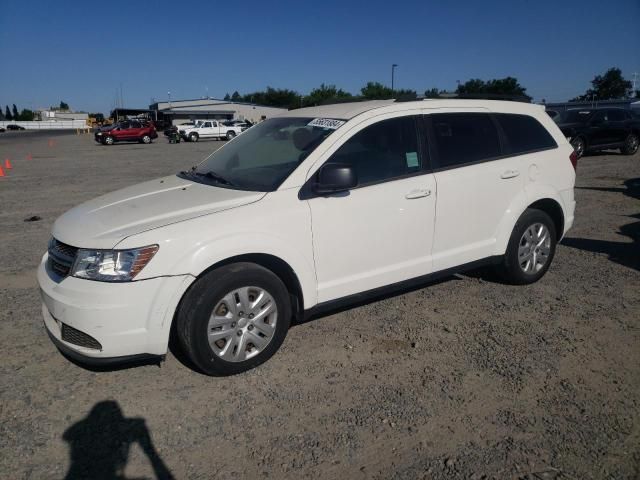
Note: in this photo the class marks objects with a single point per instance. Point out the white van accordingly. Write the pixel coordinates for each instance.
(312, 208)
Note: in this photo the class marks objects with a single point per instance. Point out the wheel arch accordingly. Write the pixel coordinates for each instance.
(552, 208)
(275, 264)
(544, 200)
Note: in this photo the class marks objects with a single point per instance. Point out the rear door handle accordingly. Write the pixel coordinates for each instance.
(510, 174)
(418, 193)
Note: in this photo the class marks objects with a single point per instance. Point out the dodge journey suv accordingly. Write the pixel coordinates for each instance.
(304, 211)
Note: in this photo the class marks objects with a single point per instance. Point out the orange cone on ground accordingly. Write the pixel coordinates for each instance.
(1, 171)
(7, 164)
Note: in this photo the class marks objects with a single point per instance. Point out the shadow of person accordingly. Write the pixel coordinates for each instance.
(99, 444)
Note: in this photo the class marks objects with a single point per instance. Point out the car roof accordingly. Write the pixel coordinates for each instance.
(346, 111)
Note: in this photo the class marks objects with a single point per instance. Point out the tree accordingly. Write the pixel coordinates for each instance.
(64, 106)
(236, 97)
(610, 86)
(500, 86)
(227, 97)
(432, 93)
(376, 91)
(26, 115)
(15, 113)
(325, 94)
(273, 97)
(7, 113)
(404, 94)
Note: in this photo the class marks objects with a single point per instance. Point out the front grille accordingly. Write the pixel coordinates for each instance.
(61, 257)
(75, 336)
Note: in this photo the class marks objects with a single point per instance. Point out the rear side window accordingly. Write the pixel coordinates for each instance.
(462, 138)
(382, 151)
(524, 134)
(616, 115)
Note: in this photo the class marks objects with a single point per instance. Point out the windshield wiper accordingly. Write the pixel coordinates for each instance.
(213, 176)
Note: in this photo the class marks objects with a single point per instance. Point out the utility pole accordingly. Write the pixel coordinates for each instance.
(393, 68)
(634, 77)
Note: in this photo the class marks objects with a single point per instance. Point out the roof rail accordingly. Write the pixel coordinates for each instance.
(492, 96)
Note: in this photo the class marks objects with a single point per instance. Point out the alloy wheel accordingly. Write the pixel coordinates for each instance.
(534, 248)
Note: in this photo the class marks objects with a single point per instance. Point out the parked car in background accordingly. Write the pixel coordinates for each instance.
(2, 129)
(210, 129)
(14, 127)
(552, 113)
(306, 211)
(244, 124)
(591, 130)
(127, 131)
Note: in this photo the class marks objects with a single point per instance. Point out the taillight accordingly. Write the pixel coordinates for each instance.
(574, 160)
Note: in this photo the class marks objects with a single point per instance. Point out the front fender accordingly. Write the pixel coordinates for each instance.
(221, 249)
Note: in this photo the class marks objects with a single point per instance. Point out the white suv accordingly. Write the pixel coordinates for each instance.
(317, 206)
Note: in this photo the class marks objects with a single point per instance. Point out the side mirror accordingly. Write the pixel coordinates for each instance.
(335, 177)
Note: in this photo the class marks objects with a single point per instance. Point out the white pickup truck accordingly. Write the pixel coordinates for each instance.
(209, 129)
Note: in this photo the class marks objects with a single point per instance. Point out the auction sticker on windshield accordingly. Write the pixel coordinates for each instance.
(331, 123)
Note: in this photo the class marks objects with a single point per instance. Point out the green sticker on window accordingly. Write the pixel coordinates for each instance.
(412, 159)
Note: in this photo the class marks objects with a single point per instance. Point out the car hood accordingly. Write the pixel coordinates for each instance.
(105, 221)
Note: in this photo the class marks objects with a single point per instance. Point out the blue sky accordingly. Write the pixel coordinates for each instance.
(81, 52)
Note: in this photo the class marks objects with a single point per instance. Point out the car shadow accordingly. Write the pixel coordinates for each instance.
(623, 253)
(99, 445)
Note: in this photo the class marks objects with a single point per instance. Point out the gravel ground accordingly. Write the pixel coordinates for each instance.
(467, 378)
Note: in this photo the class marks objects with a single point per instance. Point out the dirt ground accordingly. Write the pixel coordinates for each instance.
(467, 378)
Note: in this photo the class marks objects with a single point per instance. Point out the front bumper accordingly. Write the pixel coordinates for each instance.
(128, 320)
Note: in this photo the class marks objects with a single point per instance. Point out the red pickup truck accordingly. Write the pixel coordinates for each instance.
(127, 131)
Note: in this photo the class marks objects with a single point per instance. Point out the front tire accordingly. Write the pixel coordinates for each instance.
(630, 144)
(579, 146)
(234, 318)
(531, 248)
(108, 141)
(194, 137)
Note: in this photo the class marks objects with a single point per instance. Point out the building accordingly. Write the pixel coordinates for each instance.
(58, 115)
(178, 112)
(563, 106)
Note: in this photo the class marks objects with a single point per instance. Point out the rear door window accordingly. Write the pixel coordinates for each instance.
(524, 134)
(464, 138)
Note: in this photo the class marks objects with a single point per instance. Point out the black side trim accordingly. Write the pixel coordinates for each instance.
(101, 362)
(370, 295)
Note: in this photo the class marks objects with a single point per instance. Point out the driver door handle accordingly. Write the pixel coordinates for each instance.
(418, 193)
(510, 174)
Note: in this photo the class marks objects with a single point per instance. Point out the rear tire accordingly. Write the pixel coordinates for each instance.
(218, 319)
(193, 137)
(530, 250)
(578, 145)
(630, 144)
(146, 139)
(230, 135)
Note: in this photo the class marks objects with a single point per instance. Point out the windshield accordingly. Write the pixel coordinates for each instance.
(574, 116)
(262, 157)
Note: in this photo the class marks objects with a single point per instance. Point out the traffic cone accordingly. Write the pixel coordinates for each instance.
(7, 164)
(1, 171)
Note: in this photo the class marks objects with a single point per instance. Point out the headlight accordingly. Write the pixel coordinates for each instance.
(112, 265)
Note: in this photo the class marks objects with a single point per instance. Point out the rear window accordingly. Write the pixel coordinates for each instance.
(616, 115)
(462, 138)
(524, 134)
